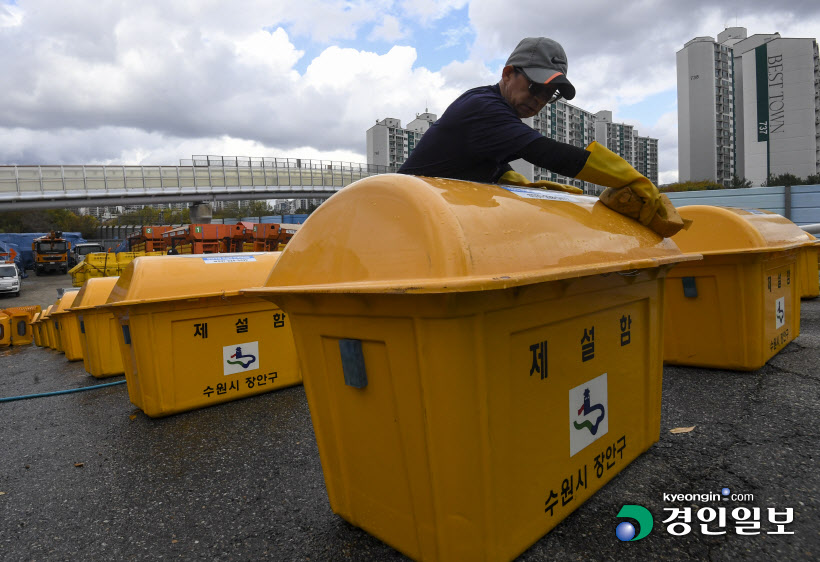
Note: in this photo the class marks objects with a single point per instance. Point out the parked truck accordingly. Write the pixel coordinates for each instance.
(51, 253)
(79, 251)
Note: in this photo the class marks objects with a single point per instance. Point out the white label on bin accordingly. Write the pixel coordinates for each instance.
(530, 193)
(779, 312)
(228, 259)
(240, 358)
(588, 414)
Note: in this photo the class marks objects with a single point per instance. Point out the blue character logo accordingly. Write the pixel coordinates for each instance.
(625, 530)
(243, 360)
(586, 409)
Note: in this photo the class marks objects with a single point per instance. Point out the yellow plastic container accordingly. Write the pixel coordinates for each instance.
(809, 271)
(54, 328)
(190, 340)
(45, 327)
(35, 329)
(741, 305)
(98, 329)
(68, 328)
(5, 330)
(21, 330)
(448, 332)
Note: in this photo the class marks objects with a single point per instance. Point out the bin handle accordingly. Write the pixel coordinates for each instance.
(353, 363)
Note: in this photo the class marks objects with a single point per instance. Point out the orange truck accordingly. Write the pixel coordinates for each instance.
(51, 253)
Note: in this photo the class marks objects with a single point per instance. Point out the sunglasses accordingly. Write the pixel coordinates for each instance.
(542, 92)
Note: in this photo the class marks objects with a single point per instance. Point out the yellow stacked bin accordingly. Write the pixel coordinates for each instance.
(190, 340)
(22, 332)
(35, 330)
(809, 271)
(45, 327)
(5, 330)
(53, 328)
(98, 329)
(78, 274)
(741, 305)
(100, 264)
(478, 360)
(68, 328)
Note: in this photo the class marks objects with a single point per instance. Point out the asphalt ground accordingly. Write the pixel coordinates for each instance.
(88, 476)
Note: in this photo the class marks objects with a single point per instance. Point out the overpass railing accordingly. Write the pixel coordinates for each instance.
(205, 172)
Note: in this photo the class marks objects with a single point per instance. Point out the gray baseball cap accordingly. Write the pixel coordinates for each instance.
(543, 61)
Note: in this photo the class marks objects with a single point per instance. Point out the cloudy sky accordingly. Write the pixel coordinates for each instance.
(154, 81)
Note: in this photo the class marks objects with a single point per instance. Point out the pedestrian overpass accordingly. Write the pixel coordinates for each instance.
(203, 179)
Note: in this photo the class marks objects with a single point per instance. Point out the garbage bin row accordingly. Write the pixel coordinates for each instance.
(478, 360)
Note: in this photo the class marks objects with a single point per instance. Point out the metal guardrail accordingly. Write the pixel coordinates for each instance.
(205, 179)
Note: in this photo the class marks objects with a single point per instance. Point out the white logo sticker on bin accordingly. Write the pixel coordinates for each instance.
(240, 358)
(529, 193)
(588, 414)
(228, 259)
(779, 312)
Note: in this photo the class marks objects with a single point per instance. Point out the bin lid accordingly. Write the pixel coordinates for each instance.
(151, 279)
(94, 292)
(62, 306)
(727, 230)
(36, 318)
(399, 233)
(46, 313)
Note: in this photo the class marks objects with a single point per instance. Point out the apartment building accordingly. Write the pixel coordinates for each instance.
(706, 108)
(748, 106)
(389, 144)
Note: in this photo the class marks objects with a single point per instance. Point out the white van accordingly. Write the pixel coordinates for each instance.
(9, 279)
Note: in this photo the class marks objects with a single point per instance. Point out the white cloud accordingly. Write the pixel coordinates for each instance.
(429, 10)
(389, 30)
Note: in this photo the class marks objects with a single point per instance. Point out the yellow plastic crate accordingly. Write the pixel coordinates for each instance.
(190, 340)
(43, 325)
(5, 330)
(98, 329)
(35, 330)
(67, 328)
(20, 317)
(809, 271)
(469, 352)
(741, 305)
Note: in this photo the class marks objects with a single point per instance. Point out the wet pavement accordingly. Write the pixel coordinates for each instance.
(88, 476)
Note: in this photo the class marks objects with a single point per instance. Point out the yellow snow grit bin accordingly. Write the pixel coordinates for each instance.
(45, 327)
(20, 317)
(5, 330)
(190, 340)
(35, 329)
(68, 327)
(478, 359)
(809, 271)
(98, 328)
(740, 305)
(54, 327)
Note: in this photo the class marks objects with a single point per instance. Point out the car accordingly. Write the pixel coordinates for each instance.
(9, 279)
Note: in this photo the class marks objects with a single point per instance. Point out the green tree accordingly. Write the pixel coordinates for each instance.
(691, 186)
(257, 209)
(783, 179)
(739, 183)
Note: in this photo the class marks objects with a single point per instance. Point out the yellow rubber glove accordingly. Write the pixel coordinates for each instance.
(514, 178)
(606, 168)
(546, 184)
